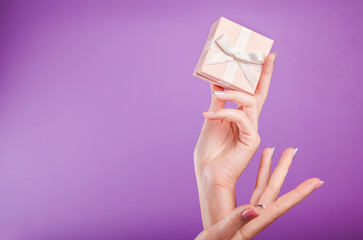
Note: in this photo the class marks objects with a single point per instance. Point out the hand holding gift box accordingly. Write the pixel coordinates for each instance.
(233, 56)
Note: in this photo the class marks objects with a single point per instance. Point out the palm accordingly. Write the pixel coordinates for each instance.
(225, 149)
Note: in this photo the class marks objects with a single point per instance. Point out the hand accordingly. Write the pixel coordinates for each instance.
(235, 226)
(227, 143)
(267, 190)
(229, 225)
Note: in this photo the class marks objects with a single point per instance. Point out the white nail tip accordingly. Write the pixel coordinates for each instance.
(219, 92)
(295, 152)
(272, 151)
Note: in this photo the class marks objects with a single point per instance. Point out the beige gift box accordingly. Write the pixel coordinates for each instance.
(233, 56)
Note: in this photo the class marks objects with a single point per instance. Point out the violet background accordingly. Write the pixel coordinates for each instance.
(99, 116)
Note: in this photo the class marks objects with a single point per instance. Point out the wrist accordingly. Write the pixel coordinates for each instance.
(216, 200)
(215, 203)
(215, 179)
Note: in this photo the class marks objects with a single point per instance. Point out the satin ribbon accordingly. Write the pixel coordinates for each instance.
(235, 55)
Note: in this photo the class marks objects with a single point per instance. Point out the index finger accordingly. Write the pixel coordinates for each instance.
(265, 79)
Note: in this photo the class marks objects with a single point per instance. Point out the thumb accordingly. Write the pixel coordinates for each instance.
(215, 103)
(228, 226)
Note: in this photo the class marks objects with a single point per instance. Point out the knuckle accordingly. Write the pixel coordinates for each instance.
(248, 100)
(272, 190)
(258, 188)
(196, 154)
(252, 101)
(276, 212)
(253, 141)
(241, 117)
(256, 139)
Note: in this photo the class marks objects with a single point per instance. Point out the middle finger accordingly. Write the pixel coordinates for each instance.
(278, 177)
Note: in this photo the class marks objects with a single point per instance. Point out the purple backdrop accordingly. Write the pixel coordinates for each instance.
(99, 116)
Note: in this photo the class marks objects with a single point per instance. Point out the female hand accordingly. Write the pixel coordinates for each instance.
(227, 143)
(229, 225)
(267, 190)
(234, 226)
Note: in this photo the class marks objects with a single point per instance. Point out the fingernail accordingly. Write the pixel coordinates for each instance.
(208, 113)
(219, 92)
(295, 152)
(272, 152)
(249, 214)
(318, 185)
(275, 53)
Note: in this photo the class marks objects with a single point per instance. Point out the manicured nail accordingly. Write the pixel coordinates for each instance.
(249, 214)
(318, 185)
(295, 152)
(208, 113)
(219, 92)
(275, 53)
(272, 152)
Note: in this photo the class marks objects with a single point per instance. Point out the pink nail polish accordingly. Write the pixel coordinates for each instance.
(318, 185)
(249, 214)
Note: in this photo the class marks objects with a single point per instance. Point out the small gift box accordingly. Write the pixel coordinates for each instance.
(233, 56)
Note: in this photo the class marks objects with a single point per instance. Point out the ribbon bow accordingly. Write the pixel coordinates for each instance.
(246, 61)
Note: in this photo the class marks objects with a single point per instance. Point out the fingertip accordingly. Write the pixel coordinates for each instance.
(315, 181)
(271, 57)
(215, 87)
(268, 154)
(318, 185)
(268, 151)
(275, 55)
(208, 114)
(265, 152)
(289, 151)
(249, 214)
(233, 222)
(311, 183)
(219, 93)
(215, 102)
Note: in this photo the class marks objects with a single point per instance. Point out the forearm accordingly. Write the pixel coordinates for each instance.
(216, 202)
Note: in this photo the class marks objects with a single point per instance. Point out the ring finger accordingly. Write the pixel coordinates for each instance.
(263, 175)
(274, 185)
